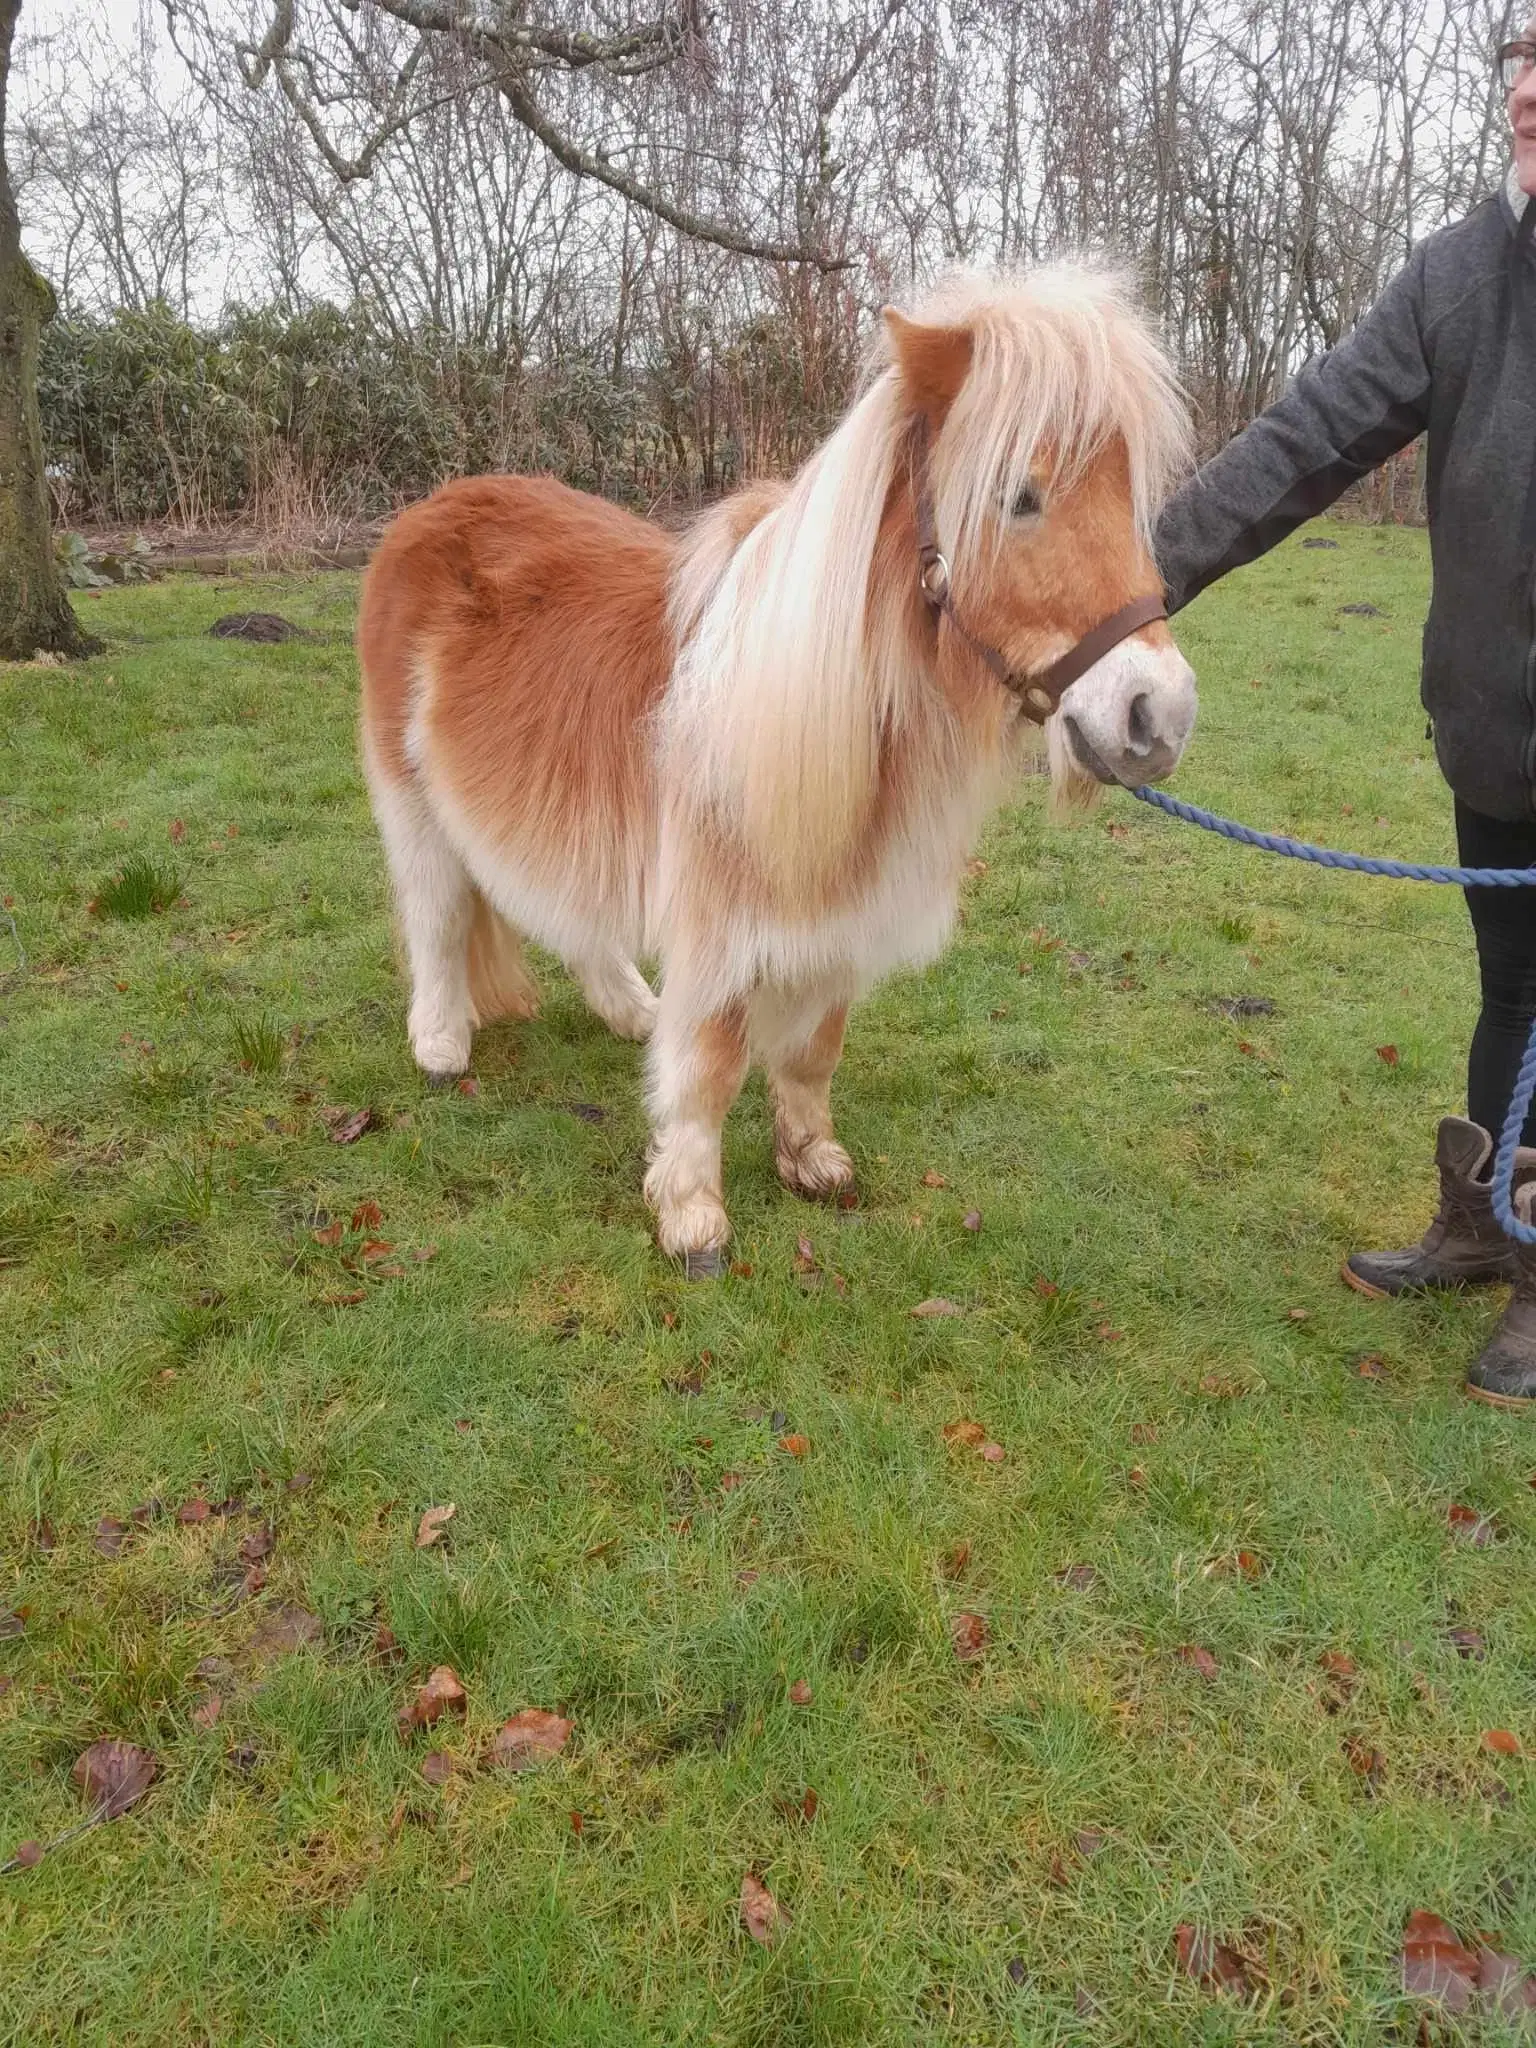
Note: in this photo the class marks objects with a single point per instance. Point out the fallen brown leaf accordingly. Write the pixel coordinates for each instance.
(467, 1085)
(1435, 1964)
(178, 831)
(761, 1914)
(1143, 1432)
(1210, 1961)
(349, 1300)
(351, 1127)
(110, 1536)
(430, 1528)
(955, 1559)
(437, 1767)
(529, 1738)
(798, 1809)
(442, 1694)
(1046, 1289)
(1198, 1659)
(1077, 1578)
(1468, 1642)
(1365, 1761)
(994, 1454)
(1108, 1334)
(1387, 1054)
(258, 1544)
(1500, 1742)
(1370, 1365)
(1468, 1526)
(27, 1855)
(374, 1249)
(969, 1636)
(367, 1216)
(965, 1436)
(796, 1445)
(971, 1221)
(193, 1511)
(934, 1180)
(114, 1776)
(800, 1693)
(331, 1235)
(936, 1306)
(204, 1715)
(805, 1261)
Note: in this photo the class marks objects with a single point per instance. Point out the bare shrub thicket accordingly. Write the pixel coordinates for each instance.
(315, 255)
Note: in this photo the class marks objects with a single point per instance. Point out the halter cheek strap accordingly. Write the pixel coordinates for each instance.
(1039, 694)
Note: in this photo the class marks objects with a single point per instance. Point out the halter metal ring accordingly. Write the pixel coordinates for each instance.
(933, 578)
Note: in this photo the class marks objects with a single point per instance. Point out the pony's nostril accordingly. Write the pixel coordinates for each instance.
(1139, 727)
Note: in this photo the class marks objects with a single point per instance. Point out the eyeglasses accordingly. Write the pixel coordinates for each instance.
(1514, 60)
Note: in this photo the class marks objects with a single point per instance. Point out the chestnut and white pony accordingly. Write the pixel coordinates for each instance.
(755, 752)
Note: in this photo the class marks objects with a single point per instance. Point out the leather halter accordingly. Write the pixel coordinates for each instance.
(1039, 694)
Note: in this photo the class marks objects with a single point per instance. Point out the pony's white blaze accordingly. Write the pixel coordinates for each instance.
(756, 753)
(1129, 717)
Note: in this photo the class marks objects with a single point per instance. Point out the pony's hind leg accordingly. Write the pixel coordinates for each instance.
(618, 992)
(436, 903)
(798, 1036)
(697, 1066)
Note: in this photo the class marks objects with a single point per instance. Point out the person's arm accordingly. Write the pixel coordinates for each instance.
(1344, 414)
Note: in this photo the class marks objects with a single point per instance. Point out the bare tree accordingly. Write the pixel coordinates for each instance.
(35, 613)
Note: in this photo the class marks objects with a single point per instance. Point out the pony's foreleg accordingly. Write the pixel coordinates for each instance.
(435, 899)
(697, 1065)
(798, 1035)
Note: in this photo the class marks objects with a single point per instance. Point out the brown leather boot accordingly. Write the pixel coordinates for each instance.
(1464, 1244)
(1505, 1374)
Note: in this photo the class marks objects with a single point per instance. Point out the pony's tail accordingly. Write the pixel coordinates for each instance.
(500, 984)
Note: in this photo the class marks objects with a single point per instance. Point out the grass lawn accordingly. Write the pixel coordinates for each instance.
(1154, 1332)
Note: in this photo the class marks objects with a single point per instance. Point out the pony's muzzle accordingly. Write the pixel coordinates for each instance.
(1129, 718)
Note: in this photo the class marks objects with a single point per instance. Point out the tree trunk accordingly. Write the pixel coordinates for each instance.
(35, 613)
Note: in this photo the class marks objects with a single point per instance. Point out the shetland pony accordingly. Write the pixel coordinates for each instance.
(759, 752)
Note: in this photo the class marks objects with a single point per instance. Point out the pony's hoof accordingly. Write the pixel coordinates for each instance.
(441, 1056)
(819, 1170)
(438, 1082)
(706, 1265)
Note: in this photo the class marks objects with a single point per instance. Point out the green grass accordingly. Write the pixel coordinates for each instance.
(173, 1322)
(141, 888)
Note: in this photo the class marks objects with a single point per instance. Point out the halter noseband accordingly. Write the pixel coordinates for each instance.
(1040, 694)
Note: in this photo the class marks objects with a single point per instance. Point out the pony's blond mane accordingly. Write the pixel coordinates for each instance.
(776, 710)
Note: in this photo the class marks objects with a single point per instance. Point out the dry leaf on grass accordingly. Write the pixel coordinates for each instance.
(1078, 1578)
(798, 1809)
(971, 1221)
(761, 1914)
(1198, 1659)
(330, 1236)
(367, 1216)
(936, 1305)
(796, 1445)
(965, 1436)
(1435, 1964)
(430, 1528)
(529, 1738)
(437, 1767)
(969, 1636)
(193, 1511)
(258, 1544)
(113, 1776)
(442, 1694)
(208, 1712)
(934, 1180)
(1468, 1526)
(1210, 1961)
(1500, 1742)
(800, 1693)
(110, 1536)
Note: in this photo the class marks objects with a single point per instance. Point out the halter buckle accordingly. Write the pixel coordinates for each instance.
(933, 577)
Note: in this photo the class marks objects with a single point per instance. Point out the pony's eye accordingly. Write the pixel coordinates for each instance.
(1027, 503)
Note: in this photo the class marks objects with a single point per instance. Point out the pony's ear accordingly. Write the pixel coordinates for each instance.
(932, 362)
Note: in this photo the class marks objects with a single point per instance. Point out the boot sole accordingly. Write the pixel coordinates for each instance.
(1525, 1403)
(1362, 1286)
(1462, 1280)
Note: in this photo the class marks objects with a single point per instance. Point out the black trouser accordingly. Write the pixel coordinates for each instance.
(1504, 921)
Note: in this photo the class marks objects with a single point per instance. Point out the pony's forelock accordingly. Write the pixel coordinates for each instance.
(1062, 360)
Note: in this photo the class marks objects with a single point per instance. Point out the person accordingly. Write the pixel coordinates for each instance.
(1448, 351)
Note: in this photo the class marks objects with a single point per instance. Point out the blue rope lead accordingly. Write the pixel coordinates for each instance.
(1399, 871)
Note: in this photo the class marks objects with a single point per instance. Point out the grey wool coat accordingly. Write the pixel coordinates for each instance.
(1448, 350)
